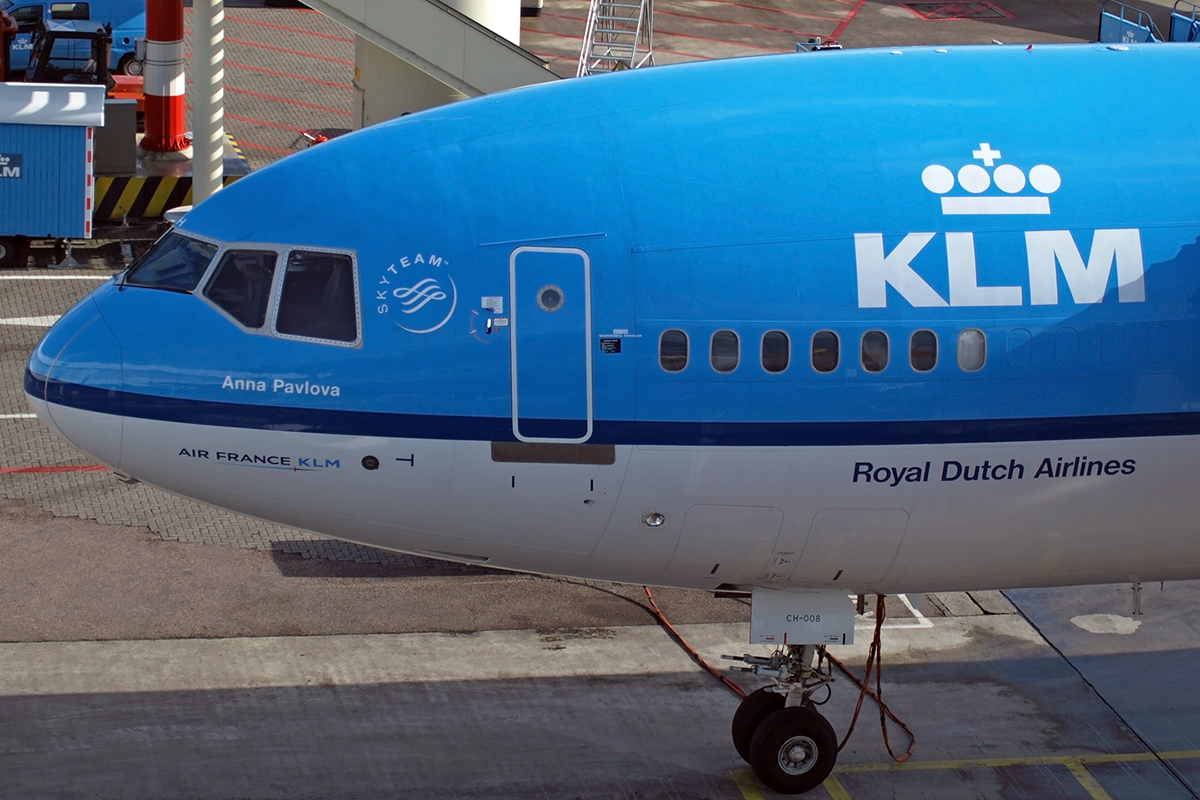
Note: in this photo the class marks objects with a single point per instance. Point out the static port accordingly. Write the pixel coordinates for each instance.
(370, 462)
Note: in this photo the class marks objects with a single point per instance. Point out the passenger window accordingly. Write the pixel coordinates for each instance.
(318, 299)
(673, 350)
(242, 284)
(776, 351)
(825, 351)
(922, 351)
(173, 262)
(724, 351)
(69, 11)
(27, 16)
(972, 349)
(874, 351)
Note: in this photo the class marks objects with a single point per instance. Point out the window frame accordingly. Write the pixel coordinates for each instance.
(123, 280)
(273, 307)
(958, 349)
(210, 275)
(762, 343)
(737, 340)
(937, 349)
(687, 356)
(887, 340)
(812, 355)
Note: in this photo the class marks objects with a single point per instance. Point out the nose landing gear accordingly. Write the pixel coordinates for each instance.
(777, 729)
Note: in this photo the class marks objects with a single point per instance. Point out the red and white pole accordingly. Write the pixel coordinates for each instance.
(163, 79)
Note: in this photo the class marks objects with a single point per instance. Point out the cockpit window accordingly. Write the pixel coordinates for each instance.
(318, 299)
(174, 262)
(242, 285)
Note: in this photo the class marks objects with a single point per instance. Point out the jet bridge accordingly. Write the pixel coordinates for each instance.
(411, 55)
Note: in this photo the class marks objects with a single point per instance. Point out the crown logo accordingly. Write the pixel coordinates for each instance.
(1008, 179)
(4, 161)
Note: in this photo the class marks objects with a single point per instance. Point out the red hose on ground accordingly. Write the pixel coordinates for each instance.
(875, 659)
(662, 620)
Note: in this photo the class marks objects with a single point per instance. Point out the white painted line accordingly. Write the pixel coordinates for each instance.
(18, 416)
(54, 277)
(922, 621)
(31, 322)
(919, 620)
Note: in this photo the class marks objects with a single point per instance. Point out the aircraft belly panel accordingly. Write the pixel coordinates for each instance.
(850, 547)
(729, 543)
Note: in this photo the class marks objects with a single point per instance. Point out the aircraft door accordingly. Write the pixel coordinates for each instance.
(550, 335)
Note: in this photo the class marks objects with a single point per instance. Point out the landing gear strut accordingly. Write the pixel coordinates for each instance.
(777, 729)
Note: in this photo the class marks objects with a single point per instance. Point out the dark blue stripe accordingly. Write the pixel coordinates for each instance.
(499, 429)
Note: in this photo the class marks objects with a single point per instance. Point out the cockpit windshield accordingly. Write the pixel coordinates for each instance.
(174, 262)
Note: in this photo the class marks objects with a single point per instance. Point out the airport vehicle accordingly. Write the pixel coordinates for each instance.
(126, 20)
(801, 326)
(67, 52)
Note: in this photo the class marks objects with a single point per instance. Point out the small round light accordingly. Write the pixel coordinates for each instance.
(654, 519)
(370, 462)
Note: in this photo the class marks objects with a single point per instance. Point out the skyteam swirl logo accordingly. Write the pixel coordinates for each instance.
(417, 293)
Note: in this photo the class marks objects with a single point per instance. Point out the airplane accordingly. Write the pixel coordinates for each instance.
(801, 326)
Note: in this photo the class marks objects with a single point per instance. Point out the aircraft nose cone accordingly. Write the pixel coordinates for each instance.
(73, 383)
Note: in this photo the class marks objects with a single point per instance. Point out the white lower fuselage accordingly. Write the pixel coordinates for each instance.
(907, 518)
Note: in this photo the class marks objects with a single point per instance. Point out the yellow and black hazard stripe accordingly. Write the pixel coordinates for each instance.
(120, 196)
(141, 198)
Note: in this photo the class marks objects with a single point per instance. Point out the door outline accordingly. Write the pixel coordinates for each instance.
(514, 322)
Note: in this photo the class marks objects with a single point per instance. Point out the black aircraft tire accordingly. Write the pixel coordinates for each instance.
(793, 750)
(14, 251)
(755, 707)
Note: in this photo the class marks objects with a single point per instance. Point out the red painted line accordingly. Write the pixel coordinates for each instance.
(682, 36)
(290, 52)
(693, 56)
(345, 86)
(263, 122)
(289, 29)
(746, 45)
(42, 470)
(293, 75)
(300, 103)
(749, 7)
(789, 31)
(263, 147)
(840, 29)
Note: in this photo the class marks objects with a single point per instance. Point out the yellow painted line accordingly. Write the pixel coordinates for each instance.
(744, 779)
(1017, 761)
(1088, 781)
(835, 788)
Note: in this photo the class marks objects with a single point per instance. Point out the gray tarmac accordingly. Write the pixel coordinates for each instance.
(152, 647)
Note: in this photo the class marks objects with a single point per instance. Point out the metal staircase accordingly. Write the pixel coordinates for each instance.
(619, 35)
